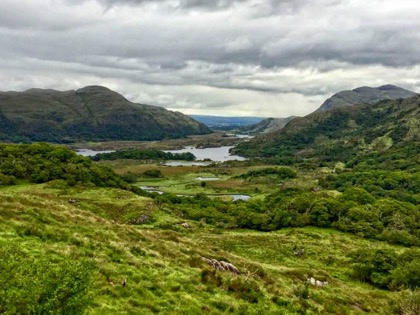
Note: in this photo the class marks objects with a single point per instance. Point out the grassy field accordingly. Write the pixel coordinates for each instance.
(161, 260)
(184, 179)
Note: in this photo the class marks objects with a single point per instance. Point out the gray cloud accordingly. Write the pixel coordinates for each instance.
(203, 55)
(184, 4)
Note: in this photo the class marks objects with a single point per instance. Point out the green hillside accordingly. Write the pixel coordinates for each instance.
(364, 95)
(86, 257)
(267, 125)
(90, 113)
(390, 128)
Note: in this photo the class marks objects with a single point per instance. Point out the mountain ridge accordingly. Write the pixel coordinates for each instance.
(342, 133)
(364, 95)
(91, 113)
(267, 125)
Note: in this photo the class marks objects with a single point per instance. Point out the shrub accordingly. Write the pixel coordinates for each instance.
(153, 173)
(407, 303)
(38, 285)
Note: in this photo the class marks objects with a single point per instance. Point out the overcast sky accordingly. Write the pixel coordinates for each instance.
(270, 58)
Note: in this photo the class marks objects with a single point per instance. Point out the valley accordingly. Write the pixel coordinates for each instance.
(225, 157)
(319, 217)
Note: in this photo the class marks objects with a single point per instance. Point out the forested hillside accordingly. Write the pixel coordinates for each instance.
(350, 135)
(90, 113)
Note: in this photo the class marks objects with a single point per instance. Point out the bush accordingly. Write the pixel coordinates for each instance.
(6, 180)
(407, 303)
(153, 173)
(386, 269)
(39, 285)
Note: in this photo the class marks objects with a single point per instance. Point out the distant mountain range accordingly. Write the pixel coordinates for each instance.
(364, 95)
(226, 123)
(267, 125)
(91, 113)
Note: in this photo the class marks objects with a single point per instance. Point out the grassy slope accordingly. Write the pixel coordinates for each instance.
(161, 260)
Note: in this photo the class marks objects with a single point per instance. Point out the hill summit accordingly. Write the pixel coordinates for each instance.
(92, 113)
(364, 95)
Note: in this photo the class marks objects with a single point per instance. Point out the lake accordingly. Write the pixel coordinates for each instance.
(88, 152)
(235, 197)
(206, 178)
(186, 163)
(219, 154)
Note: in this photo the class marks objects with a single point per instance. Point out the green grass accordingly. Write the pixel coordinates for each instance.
(162, 260)
(182, 179)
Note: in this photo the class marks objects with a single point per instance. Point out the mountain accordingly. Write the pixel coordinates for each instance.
(342, 134)
(226, 123)
(267, 125)
(364, 95)
(90, 113)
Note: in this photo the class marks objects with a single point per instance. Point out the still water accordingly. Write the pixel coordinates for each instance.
(235, 197)
(219, 154)
(88, 152)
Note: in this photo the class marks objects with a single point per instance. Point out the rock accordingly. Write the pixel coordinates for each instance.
(142, 219)
(299, 252)
(221, 265)
(186, 225)
(318, 283)
(229, 267)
